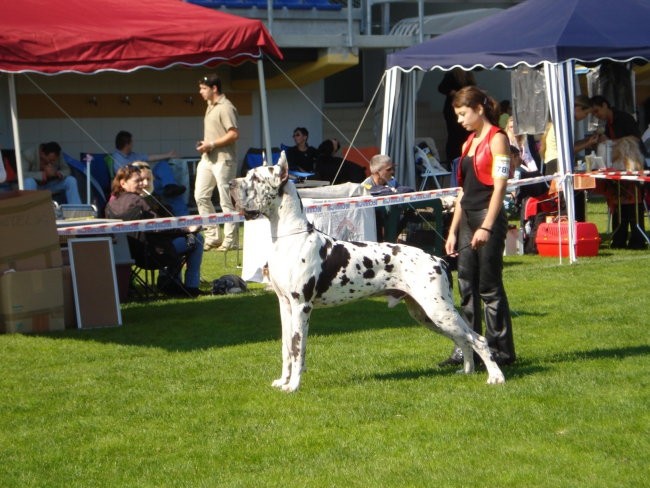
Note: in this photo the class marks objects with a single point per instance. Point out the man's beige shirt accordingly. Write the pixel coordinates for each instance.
(220, 117)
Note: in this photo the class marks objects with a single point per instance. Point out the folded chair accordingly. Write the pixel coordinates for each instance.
(156, 268)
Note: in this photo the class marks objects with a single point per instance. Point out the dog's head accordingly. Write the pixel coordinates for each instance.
(261, 188)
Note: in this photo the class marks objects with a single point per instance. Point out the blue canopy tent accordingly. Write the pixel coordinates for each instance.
(554, 34)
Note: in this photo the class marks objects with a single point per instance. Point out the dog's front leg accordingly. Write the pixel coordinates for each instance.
(285, 318)
(300, 326)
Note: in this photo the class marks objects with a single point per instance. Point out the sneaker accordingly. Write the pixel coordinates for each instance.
(194, 292)
(173, 190)
(455, 359)
(207, 246)
(225, 248)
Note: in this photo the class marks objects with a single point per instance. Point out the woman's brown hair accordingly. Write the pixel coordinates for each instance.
(123, 174)
(473, 97)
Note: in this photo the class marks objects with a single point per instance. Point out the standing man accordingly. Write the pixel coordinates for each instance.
(46, 171)
(218, 163)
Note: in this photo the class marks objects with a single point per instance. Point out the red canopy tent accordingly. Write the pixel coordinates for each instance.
(91, 36)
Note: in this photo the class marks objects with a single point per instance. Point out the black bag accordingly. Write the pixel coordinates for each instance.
(228, 284)
(530, 232)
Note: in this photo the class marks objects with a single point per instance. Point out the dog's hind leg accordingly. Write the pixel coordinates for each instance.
(467, 339)
(445, 319)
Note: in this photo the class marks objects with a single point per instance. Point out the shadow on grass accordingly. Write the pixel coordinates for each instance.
(527, 313)
(520, 369)
(607, 353)
(231, 320)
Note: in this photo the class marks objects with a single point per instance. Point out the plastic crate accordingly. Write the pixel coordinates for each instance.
(549, 235)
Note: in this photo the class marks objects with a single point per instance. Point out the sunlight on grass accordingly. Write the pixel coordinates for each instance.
(181, 396)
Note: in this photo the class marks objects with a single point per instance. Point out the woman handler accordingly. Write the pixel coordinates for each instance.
(478, 229)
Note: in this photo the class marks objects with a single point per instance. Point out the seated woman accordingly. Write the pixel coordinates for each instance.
(127, 204)
(158, 207)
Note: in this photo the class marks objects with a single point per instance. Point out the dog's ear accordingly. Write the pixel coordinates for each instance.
(283, 166)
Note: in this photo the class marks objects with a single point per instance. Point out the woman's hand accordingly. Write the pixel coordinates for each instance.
(450, 245)
(480, 238)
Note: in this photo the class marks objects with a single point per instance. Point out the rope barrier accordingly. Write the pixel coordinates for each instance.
(338, 205)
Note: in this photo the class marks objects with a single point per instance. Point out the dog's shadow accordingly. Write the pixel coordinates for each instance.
(524, 366)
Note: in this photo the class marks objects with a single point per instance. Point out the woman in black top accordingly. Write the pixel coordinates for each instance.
(127, 204)
(479, 226)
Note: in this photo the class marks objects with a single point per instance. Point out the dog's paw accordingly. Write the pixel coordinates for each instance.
(463, 370)
(496, 379)
(279, 383)
(290, 387)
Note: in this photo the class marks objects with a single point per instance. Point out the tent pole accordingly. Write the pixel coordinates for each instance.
(390, 89)
(559, 89)
(16, 131)
(265, 112)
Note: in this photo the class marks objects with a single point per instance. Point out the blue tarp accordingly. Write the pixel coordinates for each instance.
(535, 31)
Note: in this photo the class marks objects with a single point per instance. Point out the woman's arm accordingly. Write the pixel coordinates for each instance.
(452, 237)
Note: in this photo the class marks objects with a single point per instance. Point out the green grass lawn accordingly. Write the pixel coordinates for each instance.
(180, 396)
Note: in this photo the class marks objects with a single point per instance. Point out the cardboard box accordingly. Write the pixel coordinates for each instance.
(31, 301)
(28, 229)
(583, 182)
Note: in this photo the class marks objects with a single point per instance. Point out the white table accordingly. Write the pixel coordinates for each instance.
(353, 225)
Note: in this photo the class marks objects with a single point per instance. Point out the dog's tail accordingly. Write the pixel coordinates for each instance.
(445, 267)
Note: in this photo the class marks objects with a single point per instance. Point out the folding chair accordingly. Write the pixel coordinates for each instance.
(155, 270)
(431, 168)
(72, 211)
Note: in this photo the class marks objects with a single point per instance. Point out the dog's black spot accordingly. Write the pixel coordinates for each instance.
(282, 185)
(389, 268)
(322, 252)
(295, 345)
(386, 258)
(308, 289)
(396, 250)
(358, 266)
(367, 262)
(295, 295)
(337, 259)
(359, 244)
(369, 274)
(344, 280)
(352, 290)
(303, 260)
(306, 309)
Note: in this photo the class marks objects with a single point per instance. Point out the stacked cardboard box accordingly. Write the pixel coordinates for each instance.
(31, 279)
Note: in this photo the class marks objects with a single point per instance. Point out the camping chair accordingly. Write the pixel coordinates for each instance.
(156, 266)
(254, 158)
(99, 192)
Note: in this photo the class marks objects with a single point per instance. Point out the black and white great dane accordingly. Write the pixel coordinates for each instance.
(309, 269)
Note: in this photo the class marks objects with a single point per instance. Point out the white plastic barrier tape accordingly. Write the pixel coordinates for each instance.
(339, 205)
